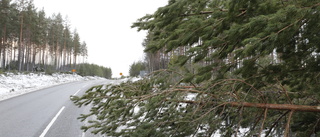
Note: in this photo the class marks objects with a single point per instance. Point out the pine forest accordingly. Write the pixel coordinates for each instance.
(29, 40)
(218, 67)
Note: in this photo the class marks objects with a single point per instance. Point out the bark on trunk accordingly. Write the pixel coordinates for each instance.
(302, 108)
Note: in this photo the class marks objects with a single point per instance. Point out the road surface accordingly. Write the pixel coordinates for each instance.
(45, 113)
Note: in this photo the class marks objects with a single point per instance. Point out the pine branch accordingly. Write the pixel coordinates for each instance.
(242, 13)
(302, 108)
(256, 121)
(276, 122)
(264, 119)
(239, 122)
(285, 91)
(145, 97)
(314, 127)
(185, 101)
(200, 13)
(313, 6)
(241, 81)
(286, 133)
(281, 30)
(210, 111)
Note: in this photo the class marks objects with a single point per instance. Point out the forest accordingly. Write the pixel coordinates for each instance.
(85, 69)
(219, 67)
(30, 40)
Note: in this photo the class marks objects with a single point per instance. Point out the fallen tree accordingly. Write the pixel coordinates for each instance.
(232, 68)
(159, 106)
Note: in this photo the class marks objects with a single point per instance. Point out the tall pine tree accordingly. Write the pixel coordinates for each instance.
(29, 39)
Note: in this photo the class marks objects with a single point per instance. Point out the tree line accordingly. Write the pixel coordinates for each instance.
(29, 39)
(234, 68)
(85, 69)
(136, 67)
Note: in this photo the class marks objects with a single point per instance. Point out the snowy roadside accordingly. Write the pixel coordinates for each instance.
(12, 85)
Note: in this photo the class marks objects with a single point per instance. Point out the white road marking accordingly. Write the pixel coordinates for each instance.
(51, 123)
(76, 92)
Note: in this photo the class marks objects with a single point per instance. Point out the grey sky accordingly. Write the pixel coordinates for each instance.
(105, 26)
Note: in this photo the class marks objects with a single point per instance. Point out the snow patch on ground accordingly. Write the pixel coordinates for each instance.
(132, 79)
(12, 85)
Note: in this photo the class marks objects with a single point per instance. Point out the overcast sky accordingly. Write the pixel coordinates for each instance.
(105, 26)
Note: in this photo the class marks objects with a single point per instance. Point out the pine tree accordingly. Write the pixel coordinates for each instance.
(9, 28)
(76, 47)
(29, 39)
(86, 69)
(136, 67)
(42, 36)
(246, 64)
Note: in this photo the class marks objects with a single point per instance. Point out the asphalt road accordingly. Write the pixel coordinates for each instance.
(45, 113)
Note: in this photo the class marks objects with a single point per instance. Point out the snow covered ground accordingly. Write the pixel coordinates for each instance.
(12, 85)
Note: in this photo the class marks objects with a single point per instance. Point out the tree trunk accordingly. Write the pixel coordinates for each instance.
(4, 48)
(9, 57)
(64, 52)
(64, 58)
(55, 55)
(14, 54)
(34, 53)
(43, 53)
(70, 59)
(292, 107)
(1, 45)
(23, 56)
(27, 56)
(74, 61)
(20, 45)
(75, 57)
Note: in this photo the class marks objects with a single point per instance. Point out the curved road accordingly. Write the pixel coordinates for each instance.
(45, 113)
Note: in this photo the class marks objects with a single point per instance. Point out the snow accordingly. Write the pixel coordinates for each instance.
(12, 85)
(132, 79)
